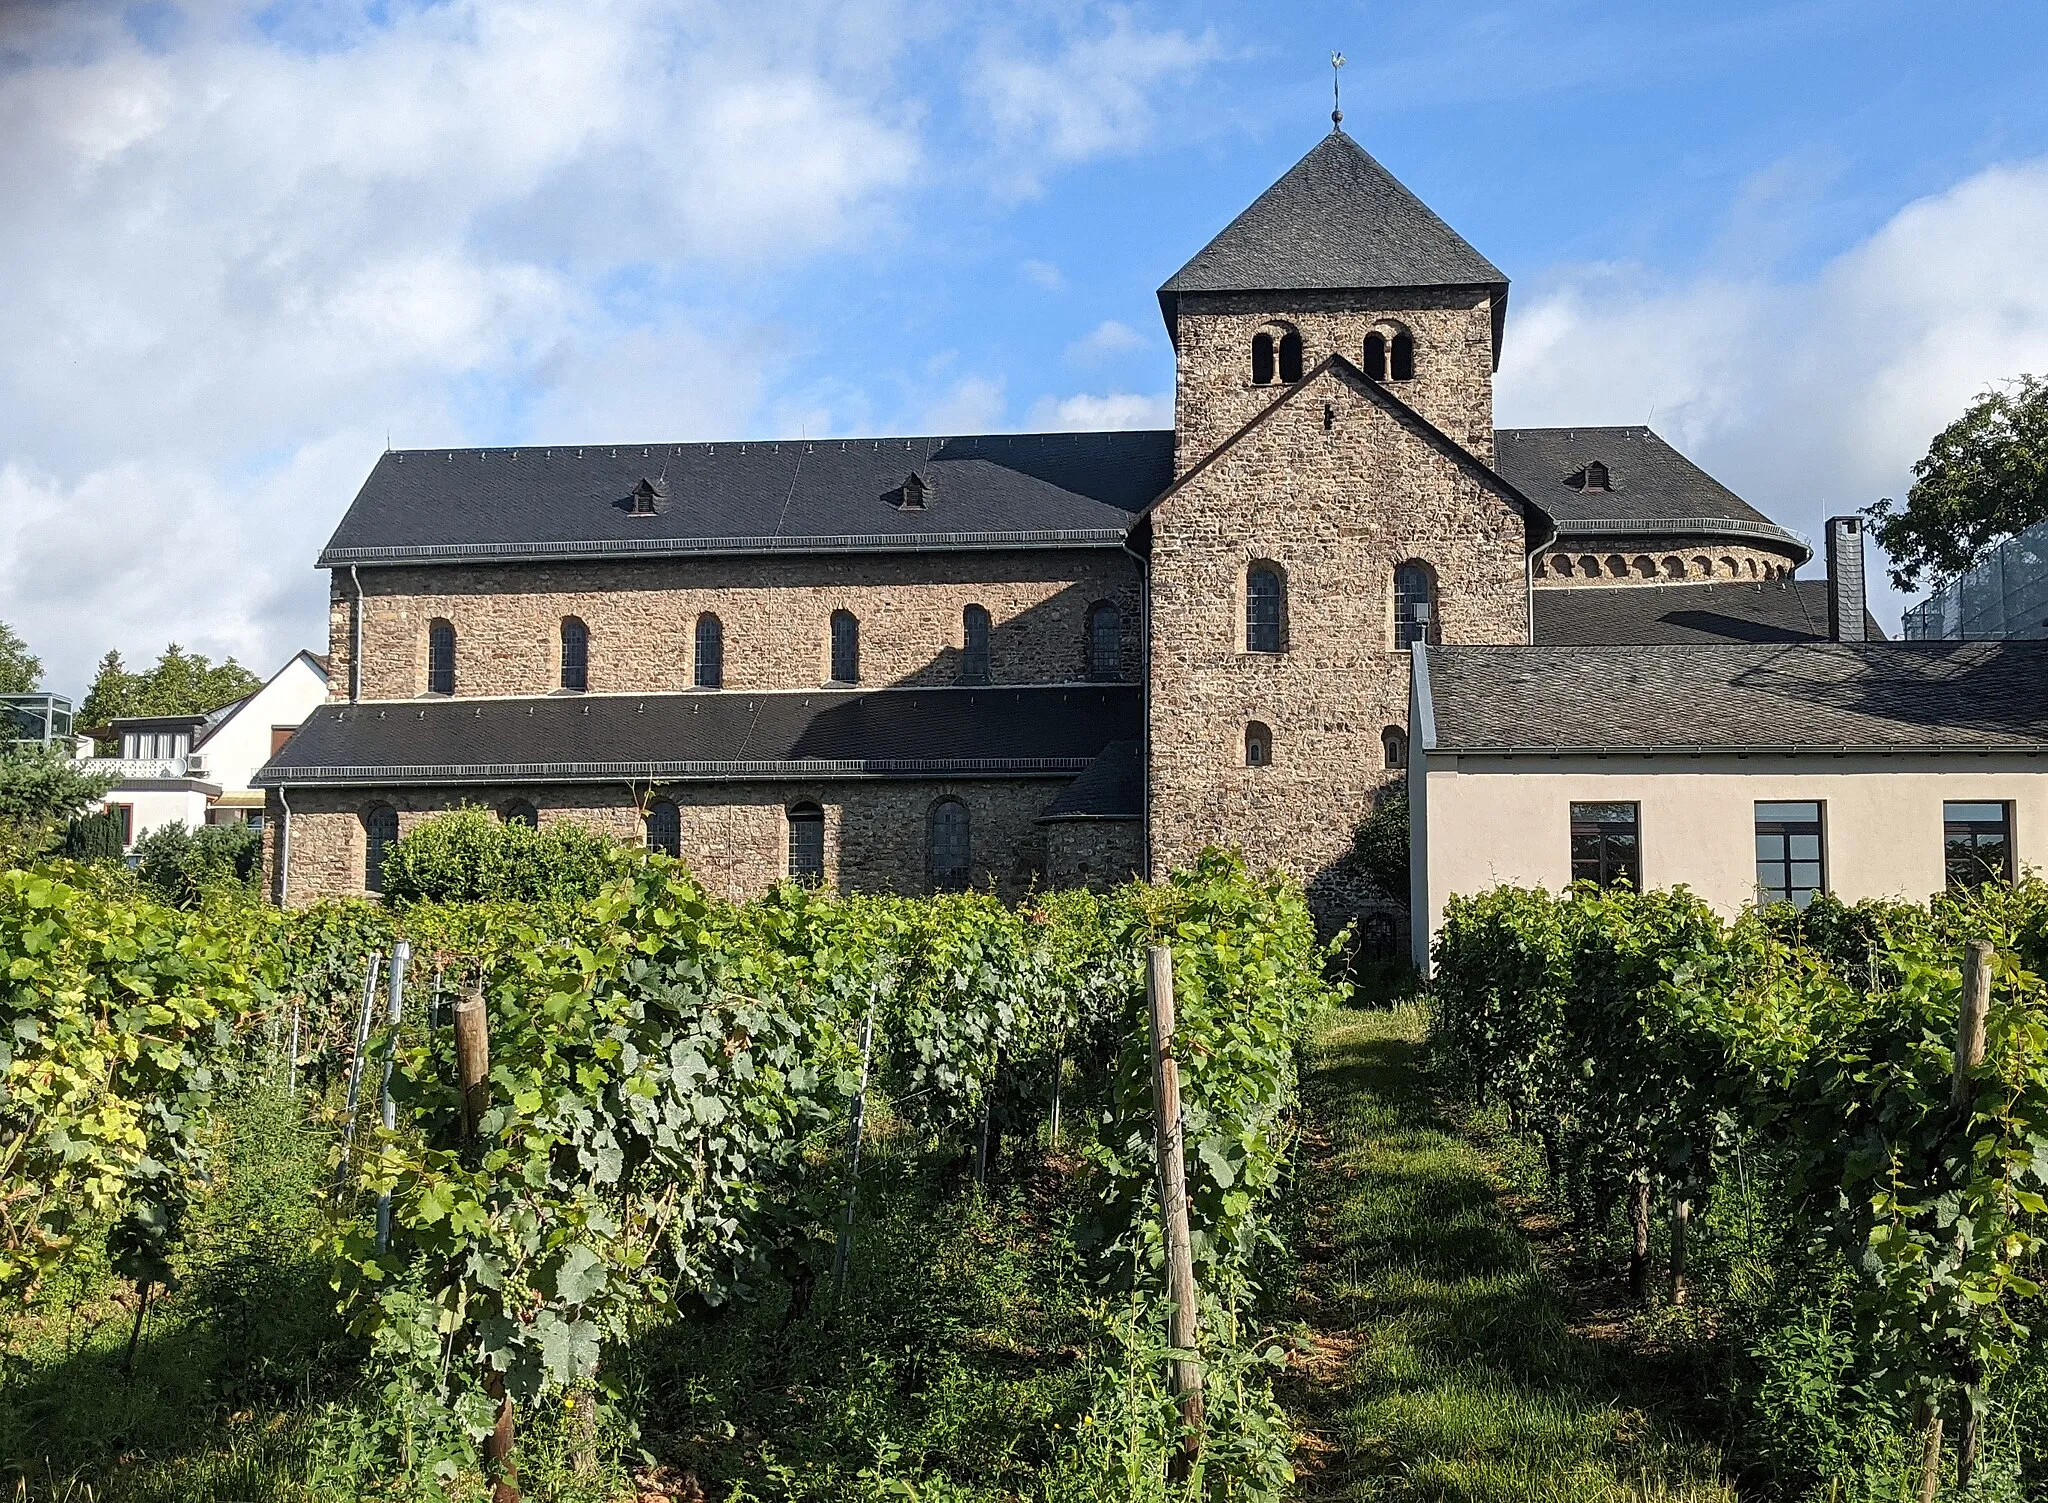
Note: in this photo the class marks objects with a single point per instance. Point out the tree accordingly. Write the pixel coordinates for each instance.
(181, 683)
(40, 791)
(1380, 844)
(1984, 478)
(21, 671)
(181, 866)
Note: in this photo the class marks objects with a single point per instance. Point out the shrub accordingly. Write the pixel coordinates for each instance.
(468, 855)
(181, 866)
(93, 837)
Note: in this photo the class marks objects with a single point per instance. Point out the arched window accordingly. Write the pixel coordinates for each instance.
(710, 652)
(845, 648)
(380, 834)
(665, 827)
(1402, 351)
(806, 844)
(1258, 745)
(520, 812)
(1265, 600)
(974, 654)
(1105, 642)
(1290, 356)
(575, 654)
(949, 846)
(1414, 605)
(1262, 359)
(440, 658)
(1394, 742)
(1376, 355)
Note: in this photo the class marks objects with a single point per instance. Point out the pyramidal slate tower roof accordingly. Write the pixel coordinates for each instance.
(1336, 221)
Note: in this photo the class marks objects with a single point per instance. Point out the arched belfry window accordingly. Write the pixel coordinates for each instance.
(1105, 642)
(1262, 359)
(1376, 355)
(1265, 609)
(665, 827)
(575, 654)
(1258, 745)
(1414, 605)
(1401, 356)
(845, 648)
(1290, 356)
(974, 648)
(806, 844)
(1394, 742)
(380, 834)
(710, 652)
(949, 846)
(441, 657)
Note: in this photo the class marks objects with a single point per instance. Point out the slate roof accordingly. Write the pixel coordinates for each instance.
(1790, 610)
(1806, 696)
(821, 495)
(1113, 787)
(1336, 220)
(985, 732)
(1653, 489)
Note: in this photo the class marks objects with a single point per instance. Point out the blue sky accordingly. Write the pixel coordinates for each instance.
(245, 243)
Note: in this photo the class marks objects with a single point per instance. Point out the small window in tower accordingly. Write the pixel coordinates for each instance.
(1290, 356)
(974, 652)
(1394, 743)
(575, 654)
(1258, 745)
(845, 648)
(1265, 614)
(710, 652)
(1414, 605)
(1403, 357)
(441, 658)
(1376, 356)
(1262, 359)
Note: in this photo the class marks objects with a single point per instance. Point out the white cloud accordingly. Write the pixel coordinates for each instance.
(1044, 275)
(1084, 413)
(1105, 341)
(1809, 396)
(973, 404)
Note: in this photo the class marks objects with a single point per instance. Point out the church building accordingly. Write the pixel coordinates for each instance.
(1012, 660)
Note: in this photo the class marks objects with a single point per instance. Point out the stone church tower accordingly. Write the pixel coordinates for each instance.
(1333, 501)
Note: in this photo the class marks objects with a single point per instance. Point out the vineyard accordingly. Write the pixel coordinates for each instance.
(568, 1194)
(1826, 1136)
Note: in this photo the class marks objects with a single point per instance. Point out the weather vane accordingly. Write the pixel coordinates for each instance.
(1336, 98)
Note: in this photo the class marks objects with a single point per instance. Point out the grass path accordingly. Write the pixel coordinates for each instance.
(1443, 1364)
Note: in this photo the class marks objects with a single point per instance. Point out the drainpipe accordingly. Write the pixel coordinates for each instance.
(355, 639)
(1144, 703)
(1529, 581)
(284, 848)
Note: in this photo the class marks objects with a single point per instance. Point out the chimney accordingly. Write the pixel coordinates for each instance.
(1845, 579)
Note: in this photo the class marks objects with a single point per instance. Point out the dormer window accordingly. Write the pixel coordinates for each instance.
(1592, 478)
(645, 495)
(914, 492)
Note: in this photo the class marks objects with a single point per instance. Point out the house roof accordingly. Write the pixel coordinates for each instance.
(1653, 489)
(1039, 731)
(821, 495)
(1789, 610)
(1113, 787)
(1335, 221)
(1801, 696)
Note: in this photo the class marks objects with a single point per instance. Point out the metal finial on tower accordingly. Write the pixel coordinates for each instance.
(1336, 97)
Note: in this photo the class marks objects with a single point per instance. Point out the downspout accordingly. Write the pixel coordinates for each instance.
(1144, 703)
(1529, 580)
(355, 639)
(284, 848)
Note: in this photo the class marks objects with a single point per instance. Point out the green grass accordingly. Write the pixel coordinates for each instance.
(1444, 1362)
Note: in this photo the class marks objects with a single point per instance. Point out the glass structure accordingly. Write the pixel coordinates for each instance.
(1790, 861)
(2006, 595)
(1976, 843)
(1606, 845)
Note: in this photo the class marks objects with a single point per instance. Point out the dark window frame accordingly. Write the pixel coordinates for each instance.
(1375, 355)
(1610, 857)
(1265, 608)
(1289, 353)
(806, 839)
(1408, 630)
(707, 651)
(665, 838)
(575, 654)
(1262, 359)
(975, 630)
(845, 643)
(1258, 744)
(1112, 670)
(1775, 869)
(1401, 356)
(1394, 748)
(1965, 871)
(441, 656)
(949, 878)
(377, 843)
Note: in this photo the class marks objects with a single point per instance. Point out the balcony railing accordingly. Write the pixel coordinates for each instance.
(130, 769)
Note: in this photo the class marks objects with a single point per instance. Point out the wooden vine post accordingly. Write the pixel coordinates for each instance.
(1173, 1207)
(473, 1084)
(1970, 1047)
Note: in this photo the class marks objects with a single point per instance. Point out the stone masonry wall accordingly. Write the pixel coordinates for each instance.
(1096, 853)
(734, 836)
(776, 614)
(1452, 387)
(1337, 505)
(1644, 562)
